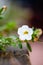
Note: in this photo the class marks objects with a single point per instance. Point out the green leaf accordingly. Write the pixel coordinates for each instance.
(10, 25)
(1, 17)
(3, 49)
(33, 36)
(29, 47)
(1, 10)
(8, 39)
(13, 44)
(19, 44)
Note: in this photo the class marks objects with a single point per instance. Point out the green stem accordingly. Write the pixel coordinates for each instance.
(28, 46)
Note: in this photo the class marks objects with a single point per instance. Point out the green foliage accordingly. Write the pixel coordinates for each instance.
(8, 41)
(28, 46)
(36, 31)
(19, 43)
(35, 34)
(1, 14)
(1, 11)
(10, 26)
(1, 17)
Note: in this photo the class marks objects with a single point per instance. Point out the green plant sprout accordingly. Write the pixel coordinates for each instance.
(2, 11)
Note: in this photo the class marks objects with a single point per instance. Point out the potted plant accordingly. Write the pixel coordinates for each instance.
(20, 42)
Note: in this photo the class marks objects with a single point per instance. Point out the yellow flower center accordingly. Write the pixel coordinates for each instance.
(26, 32)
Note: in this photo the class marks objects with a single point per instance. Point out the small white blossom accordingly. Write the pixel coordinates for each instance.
(25, 33)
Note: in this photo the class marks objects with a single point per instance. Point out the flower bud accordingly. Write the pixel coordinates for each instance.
(39, 33)
(4, 7)
(35, 39)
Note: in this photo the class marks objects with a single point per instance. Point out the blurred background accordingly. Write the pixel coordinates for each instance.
(23, 12)
(28, 12)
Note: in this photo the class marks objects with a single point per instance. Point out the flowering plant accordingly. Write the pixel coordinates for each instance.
(25, 34)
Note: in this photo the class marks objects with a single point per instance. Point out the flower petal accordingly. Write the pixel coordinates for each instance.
(25, 26)
(30, 31)
(21, 37)
(28, 37)
(19, 31)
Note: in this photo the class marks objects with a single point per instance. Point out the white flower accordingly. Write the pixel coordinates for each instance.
(25, 33)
